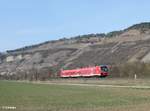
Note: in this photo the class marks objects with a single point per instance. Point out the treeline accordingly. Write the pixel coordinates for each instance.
(129, 70)
(30, 47)
(144, 25)
(89, 35)
(31, 74)
(114, 33)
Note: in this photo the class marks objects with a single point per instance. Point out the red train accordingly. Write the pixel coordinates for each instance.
(100, 71)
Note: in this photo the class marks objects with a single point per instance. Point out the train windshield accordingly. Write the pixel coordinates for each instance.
(104, 68)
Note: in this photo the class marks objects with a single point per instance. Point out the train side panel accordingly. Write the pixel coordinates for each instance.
(82, 72)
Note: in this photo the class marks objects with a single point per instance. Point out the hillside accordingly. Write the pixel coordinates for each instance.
(118, 47)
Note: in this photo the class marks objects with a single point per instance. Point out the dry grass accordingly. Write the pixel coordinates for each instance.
(103, 81)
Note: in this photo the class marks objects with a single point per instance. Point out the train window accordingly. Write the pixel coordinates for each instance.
(104, 68)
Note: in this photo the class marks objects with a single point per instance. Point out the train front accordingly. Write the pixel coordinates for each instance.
(104, 71)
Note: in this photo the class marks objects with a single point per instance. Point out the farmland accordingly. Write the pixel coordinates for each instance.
(56, 97)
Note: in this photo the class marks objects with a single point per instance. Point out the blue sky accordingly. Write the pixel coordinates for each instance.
(26, 22)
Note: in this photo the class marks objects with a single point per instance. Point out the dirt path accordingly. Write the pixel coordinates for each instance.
(94, 85)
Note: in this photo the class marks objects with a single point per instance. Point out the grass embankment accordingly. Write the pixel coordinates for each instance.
(44, 97)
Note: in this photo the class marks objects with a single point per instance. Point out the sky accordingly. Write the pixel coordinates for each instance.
(28, 22)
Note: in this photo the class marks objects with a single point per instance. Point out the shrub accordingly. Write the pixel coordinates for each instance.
(128, 70)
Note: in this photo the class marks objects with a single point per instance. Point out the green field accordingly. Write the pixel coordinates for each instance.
(45, 97)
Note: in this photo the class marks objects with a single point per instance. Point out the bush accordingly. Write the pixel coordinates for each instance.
(128, 70)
